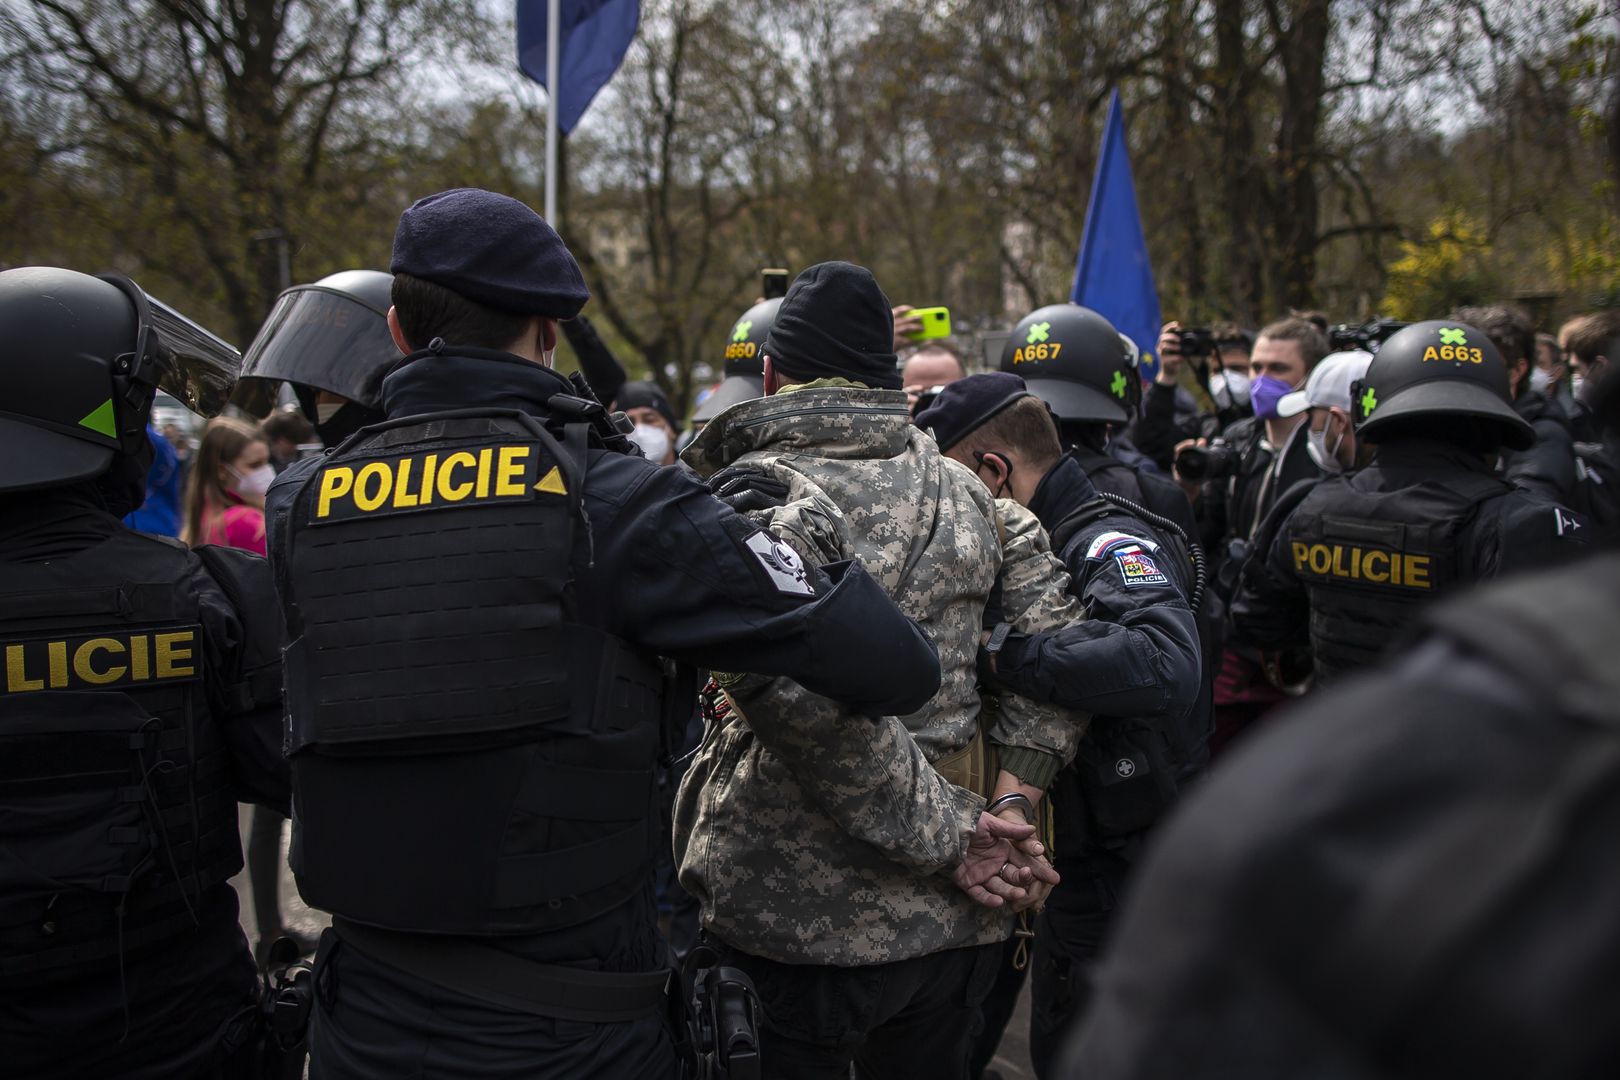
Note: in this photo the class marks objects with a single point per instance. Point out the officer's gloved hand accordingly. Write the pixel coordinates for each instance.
(747, 490)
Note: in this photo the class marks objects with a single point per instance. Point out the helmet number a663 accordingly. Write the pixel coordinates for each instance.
(1461, 354)
(1044, 351)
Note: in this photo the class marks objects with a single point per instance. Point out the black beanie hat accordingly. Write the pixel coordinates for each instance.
(835, 322)
(641, 394)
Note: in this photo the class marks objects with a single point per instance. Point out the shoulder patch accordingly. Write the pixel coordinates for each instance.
(781, 564)
(1138, 568)
(1566, 523)
(1107, 540)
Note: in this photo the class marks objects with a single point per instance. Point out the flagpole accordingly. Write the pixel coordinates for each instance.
(553, 54)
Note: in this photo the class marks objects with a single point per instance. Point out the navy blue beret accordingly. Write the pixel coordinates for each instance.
(491, 249)
(966, 404)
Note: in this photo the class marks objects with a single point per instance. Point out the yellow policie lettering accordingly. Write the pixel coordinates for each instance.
(100, 661)
(1372, 565)
(509, 478)
(449, 489)
(414, 482)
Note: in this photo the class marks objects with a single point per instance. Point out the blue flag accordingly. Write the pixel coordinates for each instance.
(1113, 275)
(595, 36)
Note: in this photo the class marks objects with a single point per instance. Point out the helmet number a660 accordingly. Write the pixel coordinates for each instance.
(1044, 351)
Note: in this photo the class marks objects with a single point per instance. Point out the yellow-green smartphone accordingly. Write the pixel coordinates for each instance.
(936, 323)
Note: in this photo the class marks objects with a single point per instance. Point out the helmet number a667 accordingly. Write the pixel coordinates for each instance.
(1043, 351)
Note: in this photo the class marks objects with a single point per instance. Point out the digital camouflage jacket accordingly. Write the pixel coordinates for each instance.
(813, 835)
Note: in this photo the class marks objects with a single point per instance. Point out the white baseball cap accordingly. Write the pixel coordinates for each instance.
(1329, 384)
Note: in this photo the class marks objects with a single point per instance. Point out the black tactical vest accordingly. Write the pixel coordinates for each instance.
(115, 815)
(1370, 559)
(441, 697)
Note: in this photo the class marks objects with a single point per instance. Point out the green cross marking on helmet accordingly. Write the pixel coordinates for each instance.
(1038, 332)
(101, 421)
(1451, 336)
(741, 332)
(1118, 385)
(1369, 402)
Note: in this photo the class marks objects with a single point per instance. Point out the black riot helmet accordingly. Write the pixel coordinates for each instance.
(331, 335)
(745, 362)
(81, 358)
(1437, 369)
(1074, 360)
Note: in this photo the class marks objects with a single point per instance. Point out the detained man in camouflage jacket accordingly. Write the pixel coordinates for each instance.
(833, 861)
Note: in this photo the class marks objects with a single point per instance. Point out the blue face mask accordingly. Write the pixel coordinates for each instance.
(1264, 393)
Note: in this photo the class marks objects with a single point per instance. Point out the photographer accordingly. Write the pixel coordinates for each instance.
(1201, 389)
(1237, 479)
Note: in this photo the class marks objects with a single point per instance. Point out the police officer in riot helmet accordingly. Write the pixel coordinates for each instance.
(329, 341)
(744, 362)
(1086, 371)
(474, 759)
(140, 700)
(1360, 553)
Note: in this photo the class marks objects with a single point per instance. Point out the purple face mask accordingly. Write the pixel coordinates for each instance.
(1264, 393)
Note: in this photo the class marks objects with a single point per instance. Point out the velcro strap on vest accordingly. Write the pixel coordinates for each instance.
(514, 982)
(48, 764)
(523, 880)
(152, 601)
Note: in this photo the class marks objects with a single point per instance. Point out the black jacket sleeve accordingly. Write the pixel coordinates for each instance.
(1547, 468)
(681, 574)
(596, 361)
(1270, 609)
(1155, 432)
(243, 619)
(1137, 654)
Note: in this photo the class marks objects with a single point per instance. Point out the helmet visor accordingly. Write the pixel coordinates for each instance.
(322, 339)
(202, 368)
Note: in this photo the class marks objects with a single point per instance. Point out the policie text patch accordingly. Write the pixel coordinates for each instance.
(111, 659)
(444, 479)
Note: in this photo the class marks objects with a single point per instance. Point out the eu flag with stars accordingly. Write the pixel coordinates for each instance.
(1113, 275)
(595, 36)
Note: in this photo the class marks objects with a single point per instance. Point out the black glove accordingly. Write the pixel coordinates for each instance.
(746, 490)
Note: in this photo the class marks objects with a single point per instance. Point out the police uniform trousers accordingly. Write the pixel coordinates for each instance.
(373, 1020)
(907, 1018)
(1069, 935)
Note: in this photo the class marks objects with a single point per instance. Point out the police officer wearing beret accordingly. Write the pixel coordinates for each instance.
(1358, 555)
(478, 591)
(1134, 665)
(139, 701)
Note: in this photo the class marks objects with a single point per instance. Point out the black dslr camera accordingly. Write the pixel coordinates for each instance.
(1366, 337)
(1217, 461)
(1198, 341)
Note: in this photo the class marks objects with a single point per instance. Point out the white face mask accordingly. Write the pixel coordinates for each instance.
(1229, 387)
(1326, 457)
(546, 357)
(254, 481)
(1540, 381)
(654, 442)
(325, 410)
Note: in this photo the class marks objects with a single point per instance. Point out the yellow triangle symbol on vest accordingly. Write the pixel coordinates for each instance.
(552, 483)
